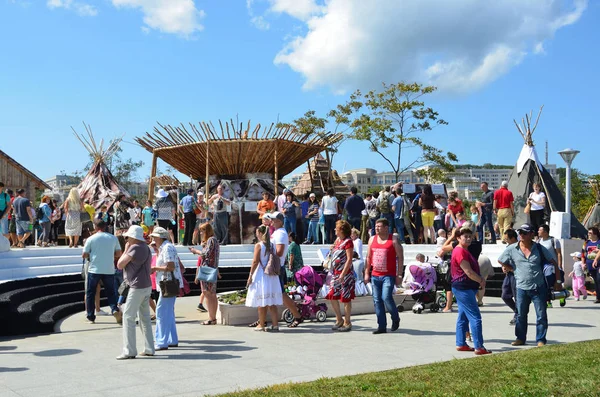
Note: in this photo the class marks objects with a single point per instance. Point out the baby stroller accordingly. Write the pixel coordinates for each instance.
(308, 285)
(419, 283)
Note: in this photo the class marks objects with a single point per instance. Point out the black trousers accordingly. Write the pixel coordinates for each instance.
(190, 223)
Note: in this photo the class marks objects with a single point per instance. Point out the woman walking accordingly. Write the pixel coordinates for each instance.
(135, 263)
(590, 255)
(466, 281)
(167, 267)
(210, 257)
(264, 290)
(45, 221)
(343, 280)
(73, 208)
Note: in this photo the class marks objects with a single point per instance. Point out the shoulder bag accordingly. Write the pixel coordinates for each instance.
(527, 208)
(123, 289)
(273, 267)
(207, 274)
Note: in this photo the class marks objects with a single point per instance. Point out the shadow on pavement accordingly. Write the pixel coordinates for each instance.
(7, 348)
(212, 342)
(571, 325)
(219, 348)
(57, 352)
(186, 356)
(20, 369)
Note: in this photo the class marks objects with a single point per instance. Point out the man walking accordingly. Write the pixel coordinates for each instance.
(186, 208)
(5, 207)
(527, 259)
(101, 249)
(504, 207)
(487, 211)
(384, 266)
(24, 217)
(354, 206)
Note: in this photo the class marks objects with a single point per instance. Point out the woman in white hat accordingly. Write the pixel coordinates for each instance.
(165, 212)
(136, 265)
(167, 262)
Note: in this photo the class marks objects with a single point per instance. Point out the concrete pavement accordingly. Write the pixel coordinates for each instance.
(214, 359)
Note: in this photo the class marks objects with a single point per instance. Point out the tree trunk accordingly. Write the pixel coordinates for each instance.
(329, 172)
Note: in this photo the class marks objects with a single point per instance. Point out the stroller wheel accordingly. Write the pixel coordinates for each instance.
(321, 316)
(400, 308)
(442, 301)
(434, 308)
(287, 316)
(563, 303)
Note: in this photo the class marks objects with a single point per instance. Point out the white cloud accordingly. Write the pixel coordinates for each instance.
(82, 9)
(260, 22)
(458, 45)
(179, 17)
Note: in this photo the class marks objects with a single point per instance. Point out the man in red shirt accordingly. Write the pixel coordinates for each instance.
(504, 208)
(385, 257)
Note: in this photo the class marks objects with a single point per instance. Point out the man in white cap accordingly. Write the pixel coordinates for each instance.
(280, 240)
(504, 208)
(136, 265)
(101, 249)
(165, 212)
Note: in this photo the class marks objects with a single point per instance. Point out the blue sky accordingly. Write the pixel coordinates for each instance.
(123, 65)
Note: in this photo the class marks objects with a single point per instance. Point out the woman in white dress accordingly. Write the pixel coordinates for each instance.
(73, 209)
(264, 291)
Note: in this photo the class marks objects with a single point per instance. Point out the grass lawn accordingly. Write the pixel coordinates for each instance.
(557, 370)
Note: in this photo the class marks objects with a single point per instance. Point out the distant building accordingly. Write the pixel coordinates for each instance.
(290, 181)
(60, 185)
(15, 176)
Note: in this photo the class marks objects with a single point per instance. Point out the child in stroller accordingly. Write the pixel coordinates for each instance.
(308, 285)
(420, 286)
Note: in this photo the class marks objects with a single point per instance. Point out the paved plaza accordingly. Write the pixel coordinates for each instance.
(80, 360)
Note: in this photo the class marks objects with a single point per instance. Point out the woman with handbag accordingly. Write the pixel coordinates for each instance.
(169, 279)
(207, 274)
(536, 203)
(264, 290)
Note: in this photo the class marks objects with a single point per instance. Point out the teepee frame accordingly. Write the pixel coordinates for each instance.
(98, 153)
(525, 128)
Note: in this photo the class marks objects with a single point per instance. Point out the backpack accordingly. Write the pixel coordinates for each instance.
(273, 267)
(39, 214)
(372, 210)
(384, 204)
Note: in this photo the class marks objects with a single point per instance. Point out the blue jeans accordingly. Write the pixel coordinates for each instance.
(290, 224)
(372, 222)
(383, 288)
(390, 218)
(468, 315)
(109, 288)
(486, 219)
(166, 329)
(400, 228)
(306, 223)
(312, 233)
(524, 298)
(4, 225)
(118, 281)
(354, 222)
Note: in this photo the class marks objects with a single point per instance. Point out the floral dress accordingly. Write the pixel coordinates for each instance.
(210, 258)
(342, 290)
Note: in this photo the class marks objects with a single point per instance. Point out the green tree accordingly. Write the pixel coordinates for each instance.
(397, 118)
(583, 196)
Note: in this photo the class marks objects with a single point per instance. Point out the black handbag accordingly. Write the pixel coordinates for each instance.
(169, 288)
(123, 289)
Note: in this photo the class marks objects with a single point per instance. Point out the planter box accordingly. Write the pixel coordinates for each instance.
(241, 315)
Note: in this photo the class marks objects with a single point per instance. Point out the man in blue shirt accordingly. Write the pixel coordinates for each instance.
(527, 259)
(354, 206)
(101, 249)
(186, 208)
(398, 209)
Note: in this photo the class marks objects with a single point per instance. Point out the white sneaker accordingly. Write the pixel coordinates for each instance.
(101, 313)
(577, 299)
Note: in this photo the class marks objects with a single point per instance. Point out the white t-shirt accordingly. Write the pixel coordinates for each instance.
(551, 247)
(578, 269)
(280, 236)
(440, 241)
(537, 197)
(358, 247)
(329, 205)
(364, 212)
(440, 208)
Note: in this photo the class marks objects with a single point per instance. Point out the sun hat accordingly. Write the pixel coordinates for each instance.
(161, 193)
(136, 232)
(576, 255)
(312, 195)
(160, 233)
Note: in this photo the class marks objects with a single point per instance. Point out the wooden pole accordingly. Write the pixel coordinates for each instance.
(312, 184)
(276, 172)
(152, 175)
(207, 186)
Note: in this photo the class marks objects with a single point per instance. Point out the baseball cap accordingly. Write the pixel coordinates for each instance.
(576, 255)
(312, 195)
(274, 215)
(525, 228)
(160, 233)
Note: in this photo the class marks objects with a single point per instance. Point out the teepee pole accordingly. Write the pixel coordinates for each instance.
(152, 175)
(207, 188)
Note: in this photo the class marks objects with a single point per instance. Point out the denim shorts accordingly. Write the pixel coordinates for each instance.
(22, 227)
(4, 225)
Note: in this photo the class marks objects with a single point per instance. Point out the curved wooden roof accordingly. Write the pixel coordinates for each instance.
(235, 150)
